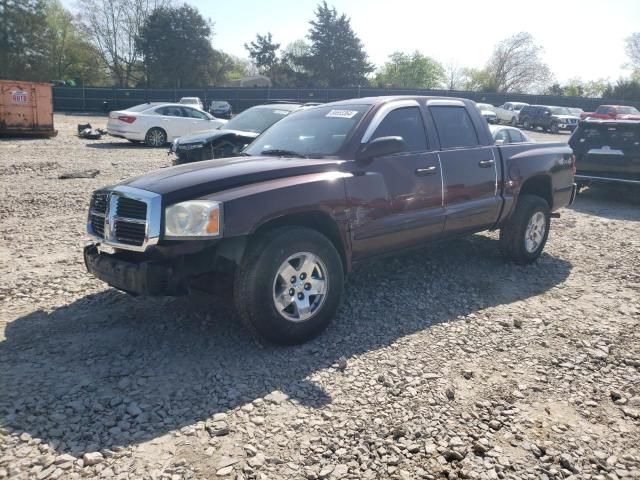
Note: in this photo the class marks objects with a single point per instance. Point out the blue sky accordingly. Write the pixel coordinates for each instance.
(581, 38)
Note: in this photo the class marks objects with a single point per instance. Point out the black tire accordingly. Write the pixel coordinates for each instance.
(526, 124)
(155, 137)
(513, 234)
(554, 128)
(256, 279)
(514, 122)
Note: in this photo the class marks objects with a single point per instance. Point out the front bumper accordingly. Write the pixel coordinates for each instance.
(153, 278)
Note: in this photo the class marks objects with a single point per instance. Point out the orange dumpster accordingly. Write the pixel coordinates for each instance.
(26, 108)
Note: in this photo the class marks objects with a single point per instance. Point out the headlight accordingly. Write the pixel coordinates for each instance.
(193, 219)
(189, 146)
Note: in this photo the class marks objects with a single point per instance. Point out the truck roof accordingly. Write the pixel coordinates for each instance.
(389, 98)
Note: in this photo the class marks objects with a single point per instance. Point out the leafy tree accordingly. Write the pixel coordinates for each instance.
(263, 51)
(632, 48)
(292, 54)
(70, 55)
(478, 80)
(454, 76)
(176, 47)
(223, 68)
(623, 90)
(113, 26)
(336, 56)
(411, 71)
(23, 46)
(516, 66)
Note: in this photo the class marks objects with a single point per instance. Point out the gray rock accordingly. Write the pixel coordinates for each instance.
(92, 458)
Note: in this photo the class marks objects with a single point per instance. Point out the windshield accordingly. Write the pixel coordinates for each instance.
(560, 111)
(316, 132)
(219, 104)
(518, 106)
(256, 119)
(189, 100)
(628, 111)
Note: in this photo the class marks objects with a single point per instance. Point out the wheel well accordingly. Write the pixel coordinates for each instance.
(539, 186)
(315, 220)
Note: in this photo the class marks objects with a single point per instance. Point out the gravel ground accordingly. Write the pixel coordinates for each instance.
(443, 362)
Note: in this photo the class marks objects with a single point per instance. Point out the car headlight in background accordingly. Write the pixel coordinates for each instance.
(189, 146)
(193, 219)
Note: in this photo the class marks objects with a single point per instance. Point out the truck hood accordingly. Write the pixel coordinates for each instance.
(194, 180)
(566, 117)
(210, 135)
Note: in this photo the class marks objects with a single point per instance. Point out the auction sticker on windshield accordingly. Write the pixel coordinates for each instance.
(342, 114)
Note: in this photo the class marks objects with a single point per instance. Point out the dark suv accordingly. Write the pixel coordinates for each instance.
(550, 119)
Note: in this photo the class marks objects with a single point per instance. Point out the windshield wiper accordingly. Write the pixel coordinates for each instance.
(282, 153)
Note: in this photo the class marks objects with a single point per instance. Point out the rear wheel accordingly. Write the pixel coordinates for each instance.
(526, 124)
(514, 122)
(156, 137)
(524, 235)
(289, 285)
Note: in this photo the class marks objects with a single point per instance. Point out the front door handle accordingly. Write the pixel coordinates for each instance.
(421, 172)
(486, 163)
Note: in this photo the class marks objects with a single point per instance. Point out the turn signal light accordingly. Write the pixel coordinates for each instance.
(213, 227)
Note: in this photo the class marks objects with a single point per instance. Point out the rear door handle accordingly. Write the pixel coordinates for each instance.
(421, 172)
(486, 163)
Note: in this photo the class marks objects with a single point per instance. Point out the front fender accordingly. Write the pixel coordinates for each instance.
(248, 208)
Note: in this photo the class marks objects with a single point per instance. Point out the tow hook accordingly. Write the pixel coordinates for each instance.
(554, 215)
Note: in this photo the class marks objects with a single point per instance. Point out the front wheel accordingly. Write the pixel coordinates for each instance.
(514, 122)
(524, 235)
(554, 128)
(156, 137)
(289, 285)
(526, 124)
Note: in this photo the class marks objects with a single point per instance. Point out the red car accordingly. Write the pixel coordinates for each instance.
(613, 112)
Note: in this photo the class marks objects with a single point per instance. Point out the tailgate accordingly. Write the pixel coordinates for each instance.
(608, 149)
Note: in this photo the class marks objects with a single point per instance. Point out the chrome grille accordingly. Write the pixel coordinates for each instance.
(129, 208)
(130, 233)
(125, 217)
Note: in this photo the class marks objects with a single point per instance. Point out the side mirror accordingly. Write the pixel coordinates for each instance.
(381, 147)
(547, 114)
(499, 142)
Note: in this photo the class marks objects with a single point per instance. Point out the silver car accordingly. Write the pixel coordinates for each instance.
(503, 135)
(509, 112)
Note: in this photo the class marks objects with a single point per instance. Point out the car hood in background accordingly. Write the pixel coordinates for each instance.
(195, 180)
(566, 117)
(207, 136)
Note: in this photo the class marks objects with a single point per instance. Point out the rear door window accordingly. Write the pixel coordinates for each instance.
(406, 123)
(454, 127)
(516, 136)
(193, 113)
(170, 111)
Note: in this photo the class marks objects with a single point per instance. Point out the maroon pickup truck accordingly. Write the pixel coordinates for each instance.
(321, 190)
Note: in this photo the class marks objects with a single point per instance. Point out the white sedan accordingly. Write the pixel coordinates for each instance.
(503, 135)
(155, 124)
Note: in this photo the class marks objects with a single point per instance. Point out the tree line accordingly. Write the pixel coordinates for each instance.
(159, 43)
